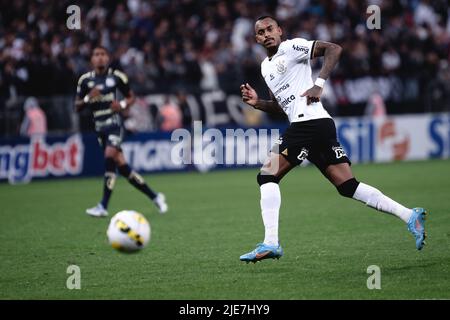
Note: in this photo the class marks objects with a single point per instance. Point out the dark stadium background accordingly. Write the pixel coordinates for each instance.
(188, 47)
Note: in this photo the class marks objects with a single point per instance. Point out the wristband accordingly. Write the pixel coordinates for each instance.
(86, 98)
(320, 82)
(123, 104)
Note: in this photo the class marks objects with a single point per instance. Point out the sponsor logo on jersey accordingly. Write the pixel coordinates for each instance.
(284, 103)
(104, 112)
(103, 98)
(283, 87)
(300, 48)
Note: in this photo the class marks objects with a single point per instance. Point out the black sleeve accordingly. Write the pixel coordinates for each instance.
(312, 50)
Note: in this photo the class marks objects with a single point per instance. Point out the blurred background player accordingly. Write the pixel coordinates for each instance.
(34, 121)
(170, 116)
(97, 90)
(311, 134)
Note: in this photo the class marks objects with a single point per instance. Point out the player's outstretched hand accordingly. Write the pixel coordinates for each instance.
(115, 106)
(249, 95)
(312, 94)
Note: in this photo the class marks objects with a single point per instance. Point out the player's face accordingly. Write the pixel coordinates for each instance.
(100, 58)
(268, 33)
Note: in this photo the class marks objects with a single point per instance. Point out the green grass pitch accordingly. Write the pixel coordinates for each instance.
(329, 241)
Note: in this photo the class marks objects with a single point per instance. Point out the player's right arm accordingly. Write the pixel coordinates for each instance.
(83, 95)
(250, 97)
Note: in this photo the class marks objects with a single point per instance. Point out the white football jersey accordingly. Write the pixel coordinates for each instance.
(288, 75)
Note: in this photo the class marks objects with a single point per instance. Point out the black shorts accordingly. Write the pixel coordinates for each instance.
(112, 137)
(314, 140)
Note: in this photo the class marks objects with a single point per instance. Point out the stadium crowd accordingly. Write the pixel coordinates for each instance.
(192, 46)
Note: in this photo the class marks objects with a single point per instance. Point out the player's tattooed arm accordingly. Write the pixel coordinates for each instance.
(331, 53)
(250, 97)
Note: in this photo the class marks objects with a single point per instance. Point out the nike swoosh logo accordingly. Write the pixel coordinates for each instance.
(262, 255)
(418, 226)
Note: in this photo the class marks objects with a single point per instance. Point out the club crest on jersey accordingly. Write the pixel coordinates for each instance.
(110, 82)
(281, 66)
(339, 152)
(303, 154)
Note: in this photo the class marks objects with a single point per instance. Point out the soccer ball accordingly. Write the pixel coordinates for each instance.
(128, 231)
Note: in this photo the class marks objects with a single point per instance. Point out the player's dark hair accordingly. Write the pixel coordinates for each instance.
(269, 17)
(100, 47)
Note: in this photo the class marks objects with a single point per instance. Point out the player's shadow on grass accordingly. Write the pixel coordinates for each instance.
(258, 268)
(417, 265)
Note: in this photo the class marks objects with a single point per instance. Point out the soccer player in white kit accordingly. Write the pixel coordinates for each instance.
(311, 134)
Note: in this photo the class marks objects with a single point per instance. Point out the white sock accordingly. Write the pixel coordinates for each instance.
(270, 210)
(377, 200)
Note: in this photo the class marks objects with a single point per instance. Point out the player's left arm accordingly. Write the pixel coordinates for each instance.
(124, 88)
(331, 53)
(125, 103)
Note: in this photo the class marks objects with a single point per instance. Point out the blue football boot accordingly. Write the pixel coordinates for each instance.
(263, 251)
(416, 225)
